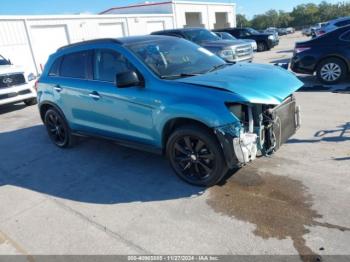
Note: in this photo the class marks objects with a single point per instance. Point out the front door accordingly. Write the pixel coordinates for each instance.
(124, 113)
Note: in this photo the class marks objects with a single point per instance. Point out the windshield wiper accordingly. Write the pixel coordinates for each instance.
(179, 75)
(214, 68)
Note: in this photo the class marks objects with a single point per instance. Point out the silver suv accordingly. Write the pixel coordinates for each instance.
(16, 85)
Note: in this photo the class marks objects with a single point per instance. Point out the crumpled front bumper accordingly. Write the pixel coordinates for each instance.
(241, 147)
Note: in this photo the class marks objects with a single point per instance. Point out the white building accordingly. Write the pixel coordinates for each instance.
(29, 40)
(210, 15)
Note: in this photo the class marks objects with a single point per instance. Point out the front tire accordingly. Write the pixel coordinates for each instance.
(30, 102)
(57, 129)
(196, 156)
(331, 71)
(262, 47)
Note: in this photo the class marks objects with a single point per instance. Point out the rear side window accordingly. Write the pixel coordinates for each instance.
(343, 23)
(54, 70)
(75, 65)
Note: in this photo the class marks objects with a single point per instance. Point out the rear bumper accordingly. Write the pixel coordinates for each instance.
(18, 93)
(303, 64)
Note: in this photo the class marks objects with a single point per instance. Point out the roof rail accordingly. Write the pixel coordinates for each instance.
(94, 41)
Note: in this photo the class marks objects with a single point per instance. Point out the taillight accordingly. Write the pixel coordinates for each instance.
(36, 85)
(301, 49)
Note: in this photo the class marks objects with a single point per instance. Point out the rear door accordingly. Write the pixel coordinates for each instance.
(71, 88)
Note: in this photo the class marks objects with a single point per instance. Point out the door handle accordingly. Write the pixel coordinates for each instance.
(58, 88)
(94, 95)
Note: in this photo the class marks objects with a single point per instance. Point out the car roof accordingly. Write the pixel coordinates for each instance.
(339, 19)
(119, 41)
(179, 30)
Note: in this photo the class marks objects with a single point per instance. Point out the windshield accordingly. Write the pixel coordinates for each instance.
(252, 31)
(3, 61)
(175, 57)
(200, 35)
(227, 36)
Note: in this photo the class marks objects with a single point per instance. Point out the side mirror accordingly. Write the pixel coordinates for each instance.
(127, 79)
(9, 61)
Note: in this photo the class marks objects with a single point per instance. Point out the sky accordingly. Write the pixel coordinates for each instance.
(43, 7)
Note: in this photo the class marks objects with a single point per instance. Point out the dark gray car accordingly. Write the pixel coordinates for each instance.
(229, 50)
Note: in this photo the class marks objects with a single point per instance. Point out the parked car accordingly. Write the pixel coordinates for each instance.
(230, 50)
(16, 85)
(327, 55)
(290, 30)
(272, 31)
(264, 41)
(332, 25)
(170, 96)
(306, 31)
(316, 28)
(282, 31)
(227, 36)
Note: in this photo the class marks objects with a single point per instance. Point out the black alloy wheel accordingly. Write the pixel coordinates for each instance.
(196, 156)
(57, 128)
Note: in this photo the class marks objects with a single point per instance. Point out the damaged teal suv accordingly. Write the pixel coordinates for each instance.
(170, 96)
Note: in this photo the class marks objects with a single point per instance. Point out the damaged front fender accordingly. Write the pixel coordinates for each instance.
(239, 148)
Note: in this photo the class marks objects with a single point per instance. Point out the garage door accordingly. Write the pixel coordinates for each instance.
(112, 30)
(46, 40)
(155, 26)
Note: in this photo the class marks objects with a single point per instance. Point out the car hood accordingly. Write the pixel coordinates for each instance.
(255, 83)
(249, 41)
(222, 43)
(10, 69)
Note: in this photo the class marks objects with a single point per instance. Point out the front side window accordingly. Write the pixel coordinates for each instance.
(109, 63)
(169, 57)
(75, 65)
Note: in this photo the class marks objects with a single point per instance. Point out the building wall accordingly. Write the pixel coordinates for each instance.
(150, 8)
(207, 11)
(179, 8)
(28, 41)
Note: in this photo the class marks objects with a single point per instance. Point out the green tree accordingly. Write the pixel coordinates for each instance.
(242, 21)
(302, 15)
(284, 19)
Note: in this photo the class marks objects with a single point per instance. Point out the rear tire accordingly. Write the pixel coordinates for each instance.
(331, 71)
(30, 102)
(58, 129)
(196, 156)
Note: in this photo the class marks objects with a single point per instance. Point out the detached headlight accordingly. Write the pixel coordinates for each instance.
(271, 37)
(227, 54)
(31, 77)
